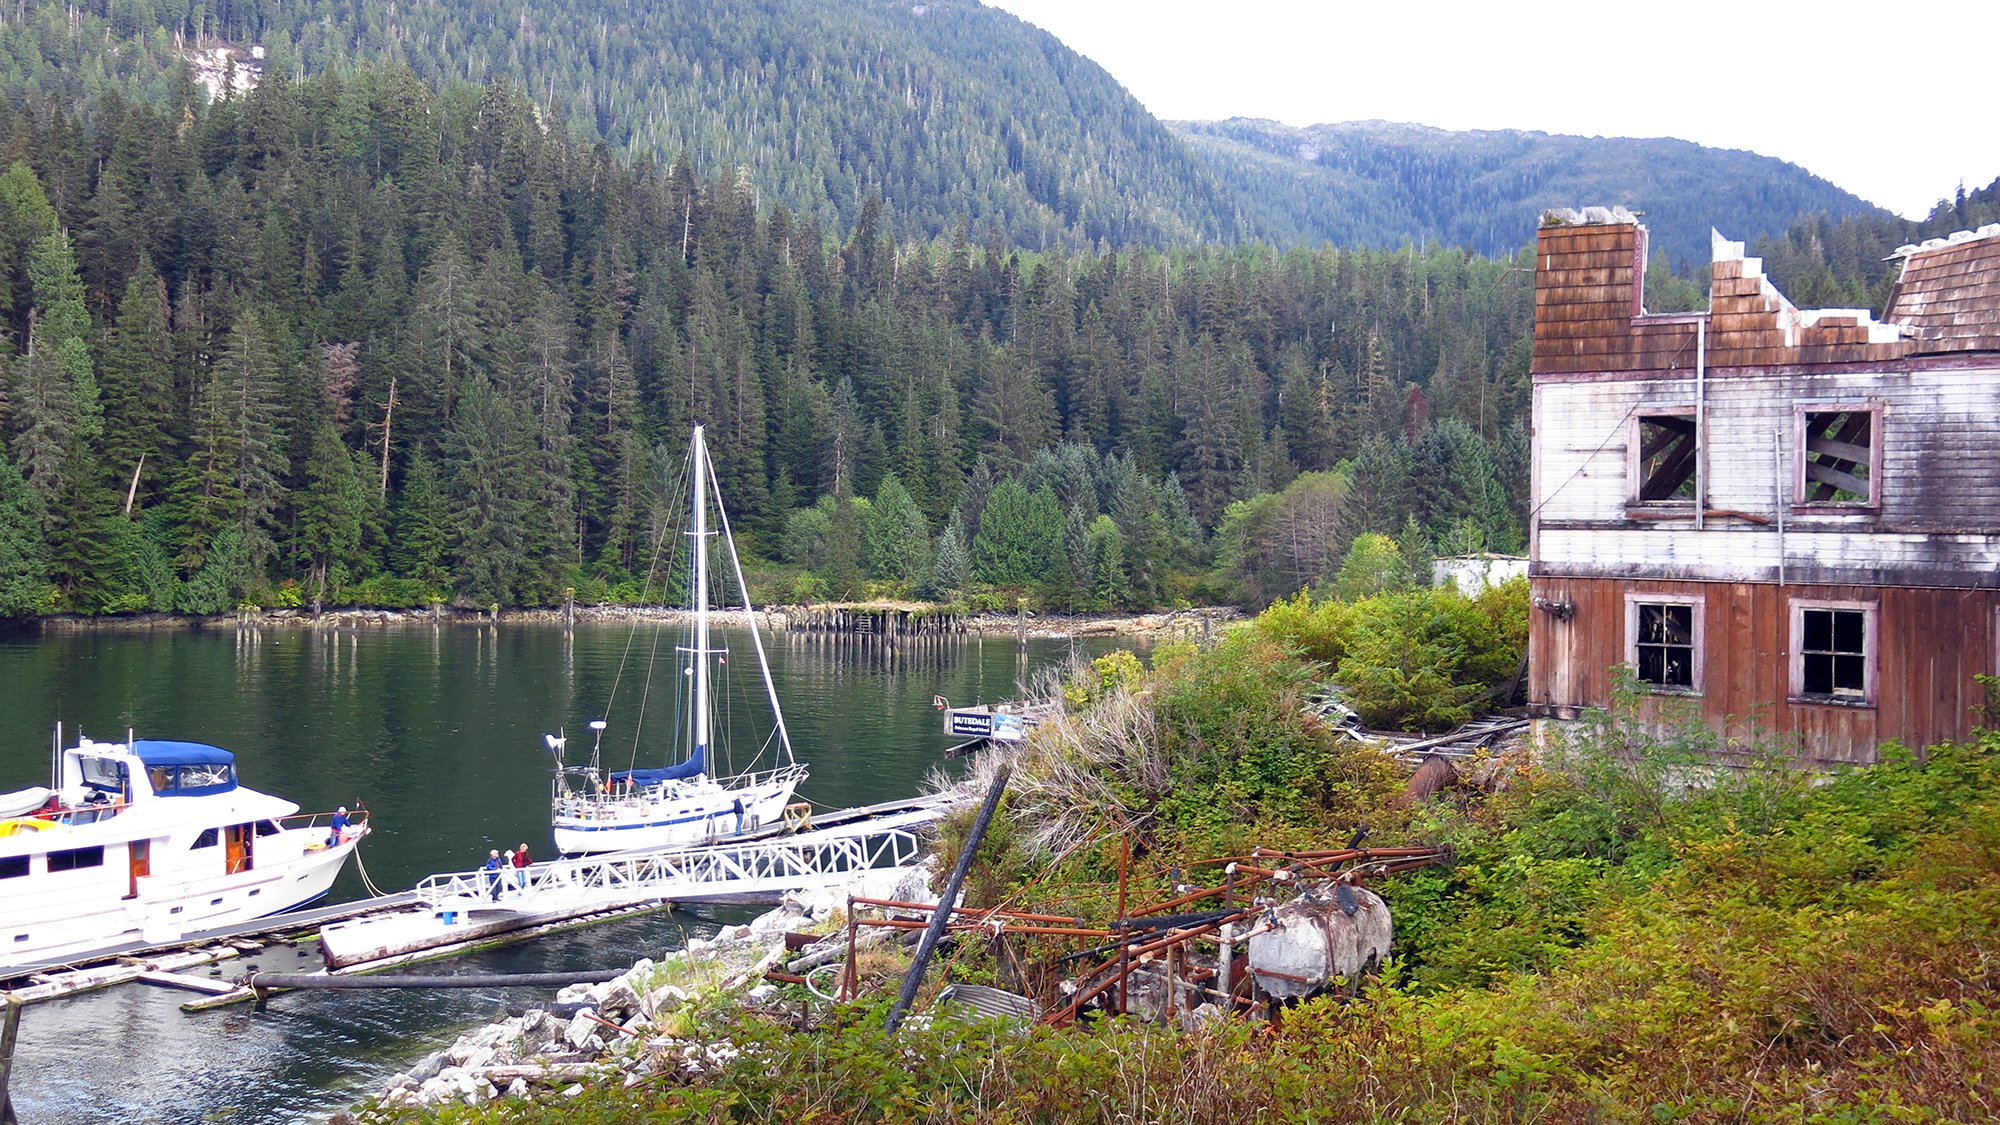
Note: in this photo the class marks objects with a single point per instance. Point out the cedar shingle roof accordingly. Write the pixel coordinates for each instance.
(1950, 293)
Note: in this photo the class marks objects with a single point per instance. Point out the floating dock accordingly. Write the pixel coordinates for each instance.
(828, 841)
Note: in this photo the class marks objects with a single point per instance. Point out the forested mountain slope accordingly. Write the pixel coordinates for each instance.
(1822, 262)
(208, 310)
(1375, 183)
(948, 109)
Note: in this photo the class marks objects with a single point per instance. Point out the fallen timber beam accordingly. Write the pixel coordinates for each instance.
(1484, 733)
(939, 918)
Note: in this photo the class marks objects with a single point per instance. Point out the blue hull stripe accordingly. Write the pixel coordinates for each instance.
(654, 823)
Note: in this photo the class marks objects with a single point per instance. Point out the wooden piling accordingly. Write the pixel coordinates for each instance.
(8, 1037)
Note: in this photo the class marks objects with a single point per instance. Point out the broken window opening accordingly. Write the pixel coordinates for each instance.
(1835, 653)
(1665, 645)
(1839, 456)
(1667, 458)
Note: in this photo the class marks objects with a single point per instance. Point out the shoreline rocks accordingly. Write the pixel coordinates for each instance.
(640, 1023)
(1171, 623)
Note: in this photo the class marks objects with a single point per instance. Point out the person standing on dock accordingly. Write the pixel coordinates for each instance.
(739, 816)
(521, 862)
(492, 870)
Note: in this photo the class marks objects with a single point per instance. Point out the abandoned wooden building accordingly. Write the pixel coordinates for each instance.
(1790, 517)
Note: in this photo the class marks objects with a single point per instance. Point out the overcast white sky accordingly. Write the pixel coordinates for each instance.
(1896, 104)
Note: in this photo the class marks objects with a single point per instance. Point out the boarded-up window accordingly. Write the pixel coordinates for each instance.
(1667, 449)
(1665, 645)
(1837, 456)
(1835, 653)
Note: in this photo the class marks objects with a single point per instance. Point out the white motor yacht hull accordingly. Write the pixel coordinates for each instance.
(82, 925)
(144, 844)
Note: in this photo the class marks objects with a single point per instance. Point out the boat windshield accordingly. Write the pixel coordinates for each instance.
(187, 769)
(107, 774)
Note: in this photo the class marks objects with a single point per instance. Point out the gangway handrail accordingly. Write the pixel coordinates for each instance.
(802, 859)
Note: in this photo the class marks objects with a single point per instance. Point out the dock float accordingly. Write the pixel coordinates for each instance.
(154, 963)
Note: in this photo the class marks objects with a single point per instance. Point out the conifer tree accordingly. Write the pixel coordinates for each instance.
(235, 479)
(24, 582)
(140, 415)
(423, 540)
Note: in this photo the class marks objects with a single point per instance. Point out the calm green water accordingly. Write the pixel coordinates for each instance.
(438, 732)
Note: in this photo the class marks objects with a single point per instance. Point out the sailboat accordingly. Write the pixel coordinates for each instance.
(593, 810)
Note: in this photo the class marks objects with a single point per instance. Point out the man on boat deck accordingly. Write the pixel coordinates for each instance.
(492, 870)
(337, 827)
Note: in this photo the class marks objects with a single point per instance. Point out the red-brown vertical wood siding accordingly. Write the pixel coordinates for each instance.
(1932, 643)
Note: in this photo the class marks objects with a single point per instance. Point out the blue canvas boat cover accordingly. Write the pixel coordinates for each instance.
(156, 753)
(190, 769)
(697, 763)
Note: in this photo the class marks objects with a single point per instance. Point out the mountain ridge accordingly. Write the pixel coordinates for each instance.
(1369, 182)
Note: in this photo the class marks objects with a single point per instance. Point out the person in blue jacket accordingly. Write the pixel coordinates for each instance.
(492, 870)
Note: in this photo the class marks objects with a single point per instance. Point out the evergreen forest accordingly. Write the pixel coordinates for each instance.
(946, 109)
(366, 333)
(352, 340)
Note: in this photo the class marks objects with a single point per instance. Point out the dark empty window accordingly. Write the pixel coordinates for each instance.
(1666, 457)
(207, 839)
(1835, 652)
(1838, 457)
(74, 858)
(1666, 645)
(13, 867)
(268, 828)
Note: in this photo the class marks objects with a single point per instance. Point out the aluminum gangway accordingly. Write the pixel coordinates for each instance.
(469, 909)
(714, 872)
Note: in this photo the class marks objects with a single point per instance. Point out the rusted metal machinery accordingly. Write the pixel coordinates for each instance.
(1233, 946)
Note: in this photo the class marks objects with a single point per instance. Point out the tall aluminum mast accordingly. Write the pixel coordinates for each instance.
(701, 600)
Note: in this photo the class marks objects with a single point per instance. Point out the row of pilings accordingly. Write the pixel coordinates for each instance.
(893, 623)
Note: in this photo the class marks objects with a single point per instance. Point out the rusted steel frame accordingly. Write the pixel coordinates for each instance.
(850, 982)
(1281, 976)
(1412, 865)
(1315, 854)
(1129, 958)
(981, 913)
(1428, 855)
(967, 927)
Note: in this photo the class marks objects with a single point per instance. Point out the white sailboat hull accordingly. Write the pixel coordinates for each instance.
(671, 815)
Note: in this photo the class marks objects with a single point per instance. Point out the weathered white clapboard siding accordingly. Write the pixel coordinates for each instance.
(1939, 521)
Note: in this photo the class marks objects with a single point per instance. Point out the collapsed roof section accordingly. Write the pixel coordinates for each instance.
(1590, 314)
(1949, 294)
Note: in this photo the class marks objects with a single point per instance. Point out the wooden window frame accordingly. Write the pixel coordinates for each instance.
(1871, 657)
(1635, 465)
(1799, 482)
(1699, 604)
